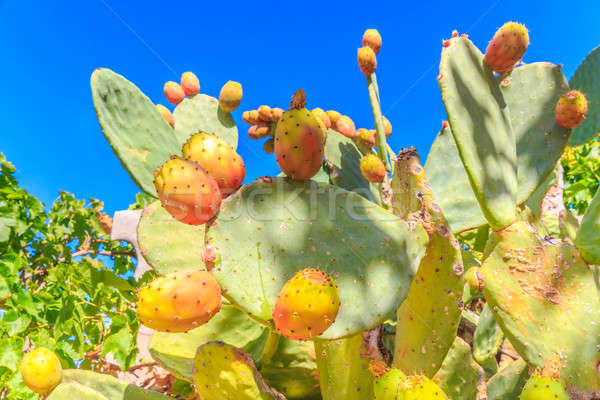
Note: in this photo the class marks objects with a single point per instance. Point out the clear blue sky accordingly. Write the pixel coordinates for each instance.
(50, 48)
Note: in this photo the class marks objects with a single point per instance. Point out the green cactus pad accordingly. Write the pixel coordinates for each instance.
(588, 234)
(343, 373)
(275, 227)
(69, 391)
(450, 184)
(387, 386)
(480, 122)
(459, 375)
(202, 113)
(342, 159)
(428, 319)
(176, 351)
(531, 92)
(544, 297)
(487, 338)
(109, 387)
(542, 388)
(167, 244)
(508, 382)
(223, 372)
(292, 370)
(136, 131)
(587, 80)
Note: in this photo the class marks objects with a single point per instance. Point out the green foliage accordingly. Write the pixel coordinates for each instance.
(581, 166)
(57, 286)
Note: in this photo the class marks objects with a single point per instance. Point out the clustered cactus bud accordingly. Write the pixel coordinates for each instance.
(372, 39)
(367, 61)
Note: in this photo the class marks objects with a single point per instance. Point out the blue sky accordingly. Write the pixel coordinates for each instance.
(49, 49)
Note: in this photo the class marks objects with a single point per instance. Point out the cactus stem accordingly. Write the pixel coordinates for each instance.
(270, 347)
(376, 106)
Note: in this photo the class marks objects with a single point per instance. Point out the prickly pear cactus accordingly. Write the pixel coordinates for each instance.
(587, 80)
(275, 227)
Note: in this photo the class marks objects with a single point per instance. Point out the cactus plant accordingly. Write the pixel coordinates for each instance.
(477, 203)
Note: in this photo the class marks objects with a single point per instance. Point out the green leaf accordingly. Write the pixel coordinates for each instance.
(121, 344)
(11, 352)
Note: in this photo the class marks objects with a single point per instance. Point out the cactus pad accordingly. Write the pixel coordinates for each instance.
(544, 297)
(167, 244)
(487, 338)
(343, 373)
(588, 234)
(68, 391)
(459, 375)
(135, 129)
(450, 184)
(508, 382)
(272, 228)
(480, 122)
(342, 159)
(223, 372)
(531, 92)
(176, 351)
(587, 80)
(202, 113)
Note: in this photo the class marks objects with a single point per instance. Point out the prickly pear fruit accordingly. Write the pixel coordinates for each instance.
(507, 47)
(187, 191)
(265, 113)
(345, 126)
(269, 146)
(571, 109)
(250, 117)
(41, 370)
(166, 114)
(540, 388)
(372, 168)
(230, 96)
(299, 140)
(366, 137)
(276, 114)
(218, 158)
(387, 127)
(173, 92)
(367, 61)
(386, 384)
(322, 115)
(372, 39)
(260, 130)
(333, 116)
(420, 388)
(307, 305)
(190, 84)
(179, 301)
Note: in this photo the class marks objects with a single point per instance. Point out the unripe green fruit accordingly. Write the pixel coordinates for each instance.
(421, 388)
(540, 388)
(41, 370)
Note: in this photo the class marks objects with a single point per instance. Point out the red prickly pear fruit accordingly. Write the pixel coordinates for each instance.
(299, 140)
(269, 146)
(173, 92)
(190, 84)
(166, 114)
(345, 126)
(276, 114)
(187, 191)
(372, 39)
(542, 388)
(307, 305)
(387, 127)
(333, 116)
(265, 113)
(507, 47)
(179, 301)
(322, 115)
(217, 158)
(571, 109)
(420, 388)
(41, 370)
(372, 168)
(367, 61)
(230, 96)
(366, 137)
